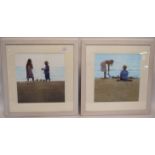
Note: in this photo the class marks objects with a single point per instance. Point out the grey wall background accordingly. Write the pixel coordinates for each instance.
(152, 113)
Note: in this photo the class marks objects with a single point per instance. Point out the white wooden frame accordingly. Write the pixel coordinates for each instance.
(40, 41)
(115, 42)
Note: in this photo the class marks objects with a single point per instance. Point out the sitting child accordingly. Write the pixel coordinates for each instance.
(124, 74)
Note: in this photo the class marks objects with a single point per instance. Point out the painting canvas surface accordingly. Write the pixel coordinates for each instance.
(117, 77)
(40, 78)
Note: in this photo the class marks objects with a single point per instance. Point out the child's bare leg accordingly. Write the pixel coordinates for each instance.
(105, 74)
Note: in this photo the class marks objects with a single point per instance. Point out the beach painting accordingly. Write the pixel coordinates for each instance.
(117, 77)
(40, 78)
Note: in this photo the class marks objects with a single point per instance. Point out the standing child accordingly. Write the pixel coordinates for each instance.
(105, 67)
(29, 68)
(46, 71)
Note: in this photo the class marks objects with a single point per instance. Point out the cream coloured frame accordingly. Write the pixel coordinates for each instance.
(90, 46)
(10, 46)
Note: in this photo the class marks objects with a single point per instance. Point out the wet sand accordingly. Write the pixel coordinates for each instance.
(111, 90)
(41, 91)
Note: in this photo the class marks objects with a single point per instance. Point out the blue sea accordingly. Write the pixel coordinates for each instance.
(56, 74)
(133, 62)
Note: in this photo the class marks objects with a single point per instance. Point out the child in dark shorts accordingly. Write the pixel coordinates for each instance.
(46, 71)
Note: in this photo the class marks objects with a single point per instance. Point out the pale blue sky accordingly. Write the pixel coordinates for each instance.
(133, 61)
(56, 63)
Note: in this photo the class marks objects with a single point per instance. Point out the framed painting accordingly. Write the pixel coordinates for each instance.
(40, 76)
(116, 76)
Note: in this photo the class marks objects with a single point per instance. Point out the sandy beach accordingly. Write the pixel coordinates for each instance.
(41, 91)
(111, 90)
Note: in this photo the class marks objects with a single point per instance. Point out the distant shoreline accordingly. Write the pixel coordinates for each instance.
(56, 73)
(116, 73)
(36, 81)
(117, 77)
